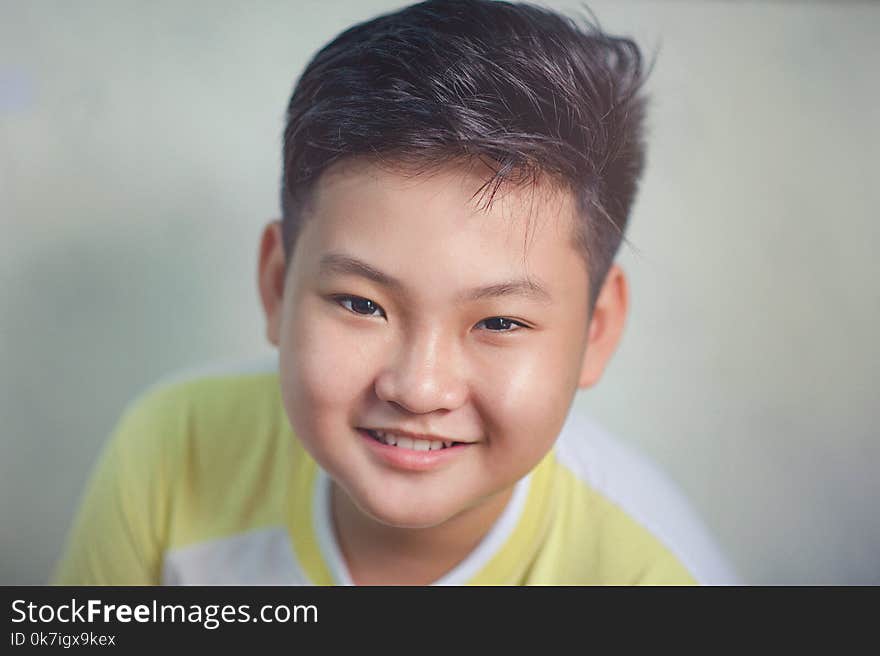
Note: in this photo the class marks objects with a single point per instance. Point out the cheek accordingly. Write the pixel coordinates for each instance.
(542, 373)
(528, 393)
(323, 368)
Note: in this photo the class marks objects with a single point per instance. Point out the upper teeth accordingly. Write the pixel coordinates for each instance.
(409, 443)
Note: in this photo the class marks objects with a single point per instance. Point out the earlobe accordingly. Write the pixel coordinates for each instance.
(606, 326)
(270, 278)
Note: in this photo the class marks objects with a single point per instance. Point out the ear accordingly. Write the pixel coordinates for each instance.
(270, 278)
(606, 326)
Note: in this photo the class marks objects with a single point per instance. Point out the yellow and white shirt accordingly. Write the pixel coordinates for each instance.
(203, 482)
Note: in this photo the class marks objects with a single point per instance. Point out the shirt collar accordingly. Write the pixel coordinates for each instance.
(503, 556)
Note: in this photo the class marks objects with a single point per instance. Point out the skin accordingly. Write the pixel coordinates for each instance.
(499, 372)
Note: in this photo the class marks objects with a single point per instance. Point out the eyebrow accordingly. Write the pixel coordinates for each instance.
(339, 263)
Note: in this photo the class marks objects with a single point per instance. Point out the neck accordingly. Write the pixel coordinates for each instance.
(378, 554)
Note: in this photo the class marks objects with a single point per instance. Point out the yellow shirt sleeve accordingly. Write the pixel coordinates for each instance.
(119, 534)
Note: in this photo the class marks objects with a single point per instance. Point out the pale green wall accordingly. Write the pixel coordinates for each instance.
(139, 157)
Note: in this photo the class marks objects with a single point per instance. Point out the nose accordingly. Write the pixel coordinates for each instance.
(423, 375)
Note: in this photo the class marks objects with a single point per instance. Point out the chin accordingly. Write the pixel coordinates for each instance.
(412, 515)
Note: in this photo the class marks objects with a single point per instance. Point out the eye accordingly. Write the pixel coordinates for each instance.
(359, 305)
(502, 324)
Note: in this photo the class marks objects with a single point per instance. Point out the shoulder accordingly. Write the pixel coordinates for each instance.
(195, 456)
(642, 495)
(217, 441)
(204, 402)
(212, 382)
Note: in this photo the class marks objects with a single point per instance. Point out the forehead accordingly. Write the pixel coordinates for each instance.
(445, 221)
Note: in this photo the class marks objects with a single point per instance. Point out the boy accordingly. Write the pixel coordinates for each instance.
(457, 179)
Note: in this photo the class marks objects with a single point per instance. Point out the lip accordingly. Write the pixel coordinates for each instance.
(408, 459)
(416, 436)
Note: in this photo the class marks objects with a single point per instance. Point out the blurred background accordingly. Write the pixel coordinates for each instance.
(140, 158)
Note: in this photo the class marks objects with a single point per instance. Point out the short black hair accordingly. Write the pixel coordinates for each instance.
(521, 87)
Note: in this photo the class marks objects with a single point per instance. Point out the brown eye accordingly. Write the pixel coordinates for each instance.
(501, 324)
(360, 305)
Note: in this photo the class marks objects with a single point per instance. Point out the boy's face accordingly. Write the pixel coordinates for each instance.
(406, 309)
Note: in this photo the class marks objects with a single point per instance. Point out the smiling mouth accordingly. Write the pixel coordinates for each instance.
(402, 442)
